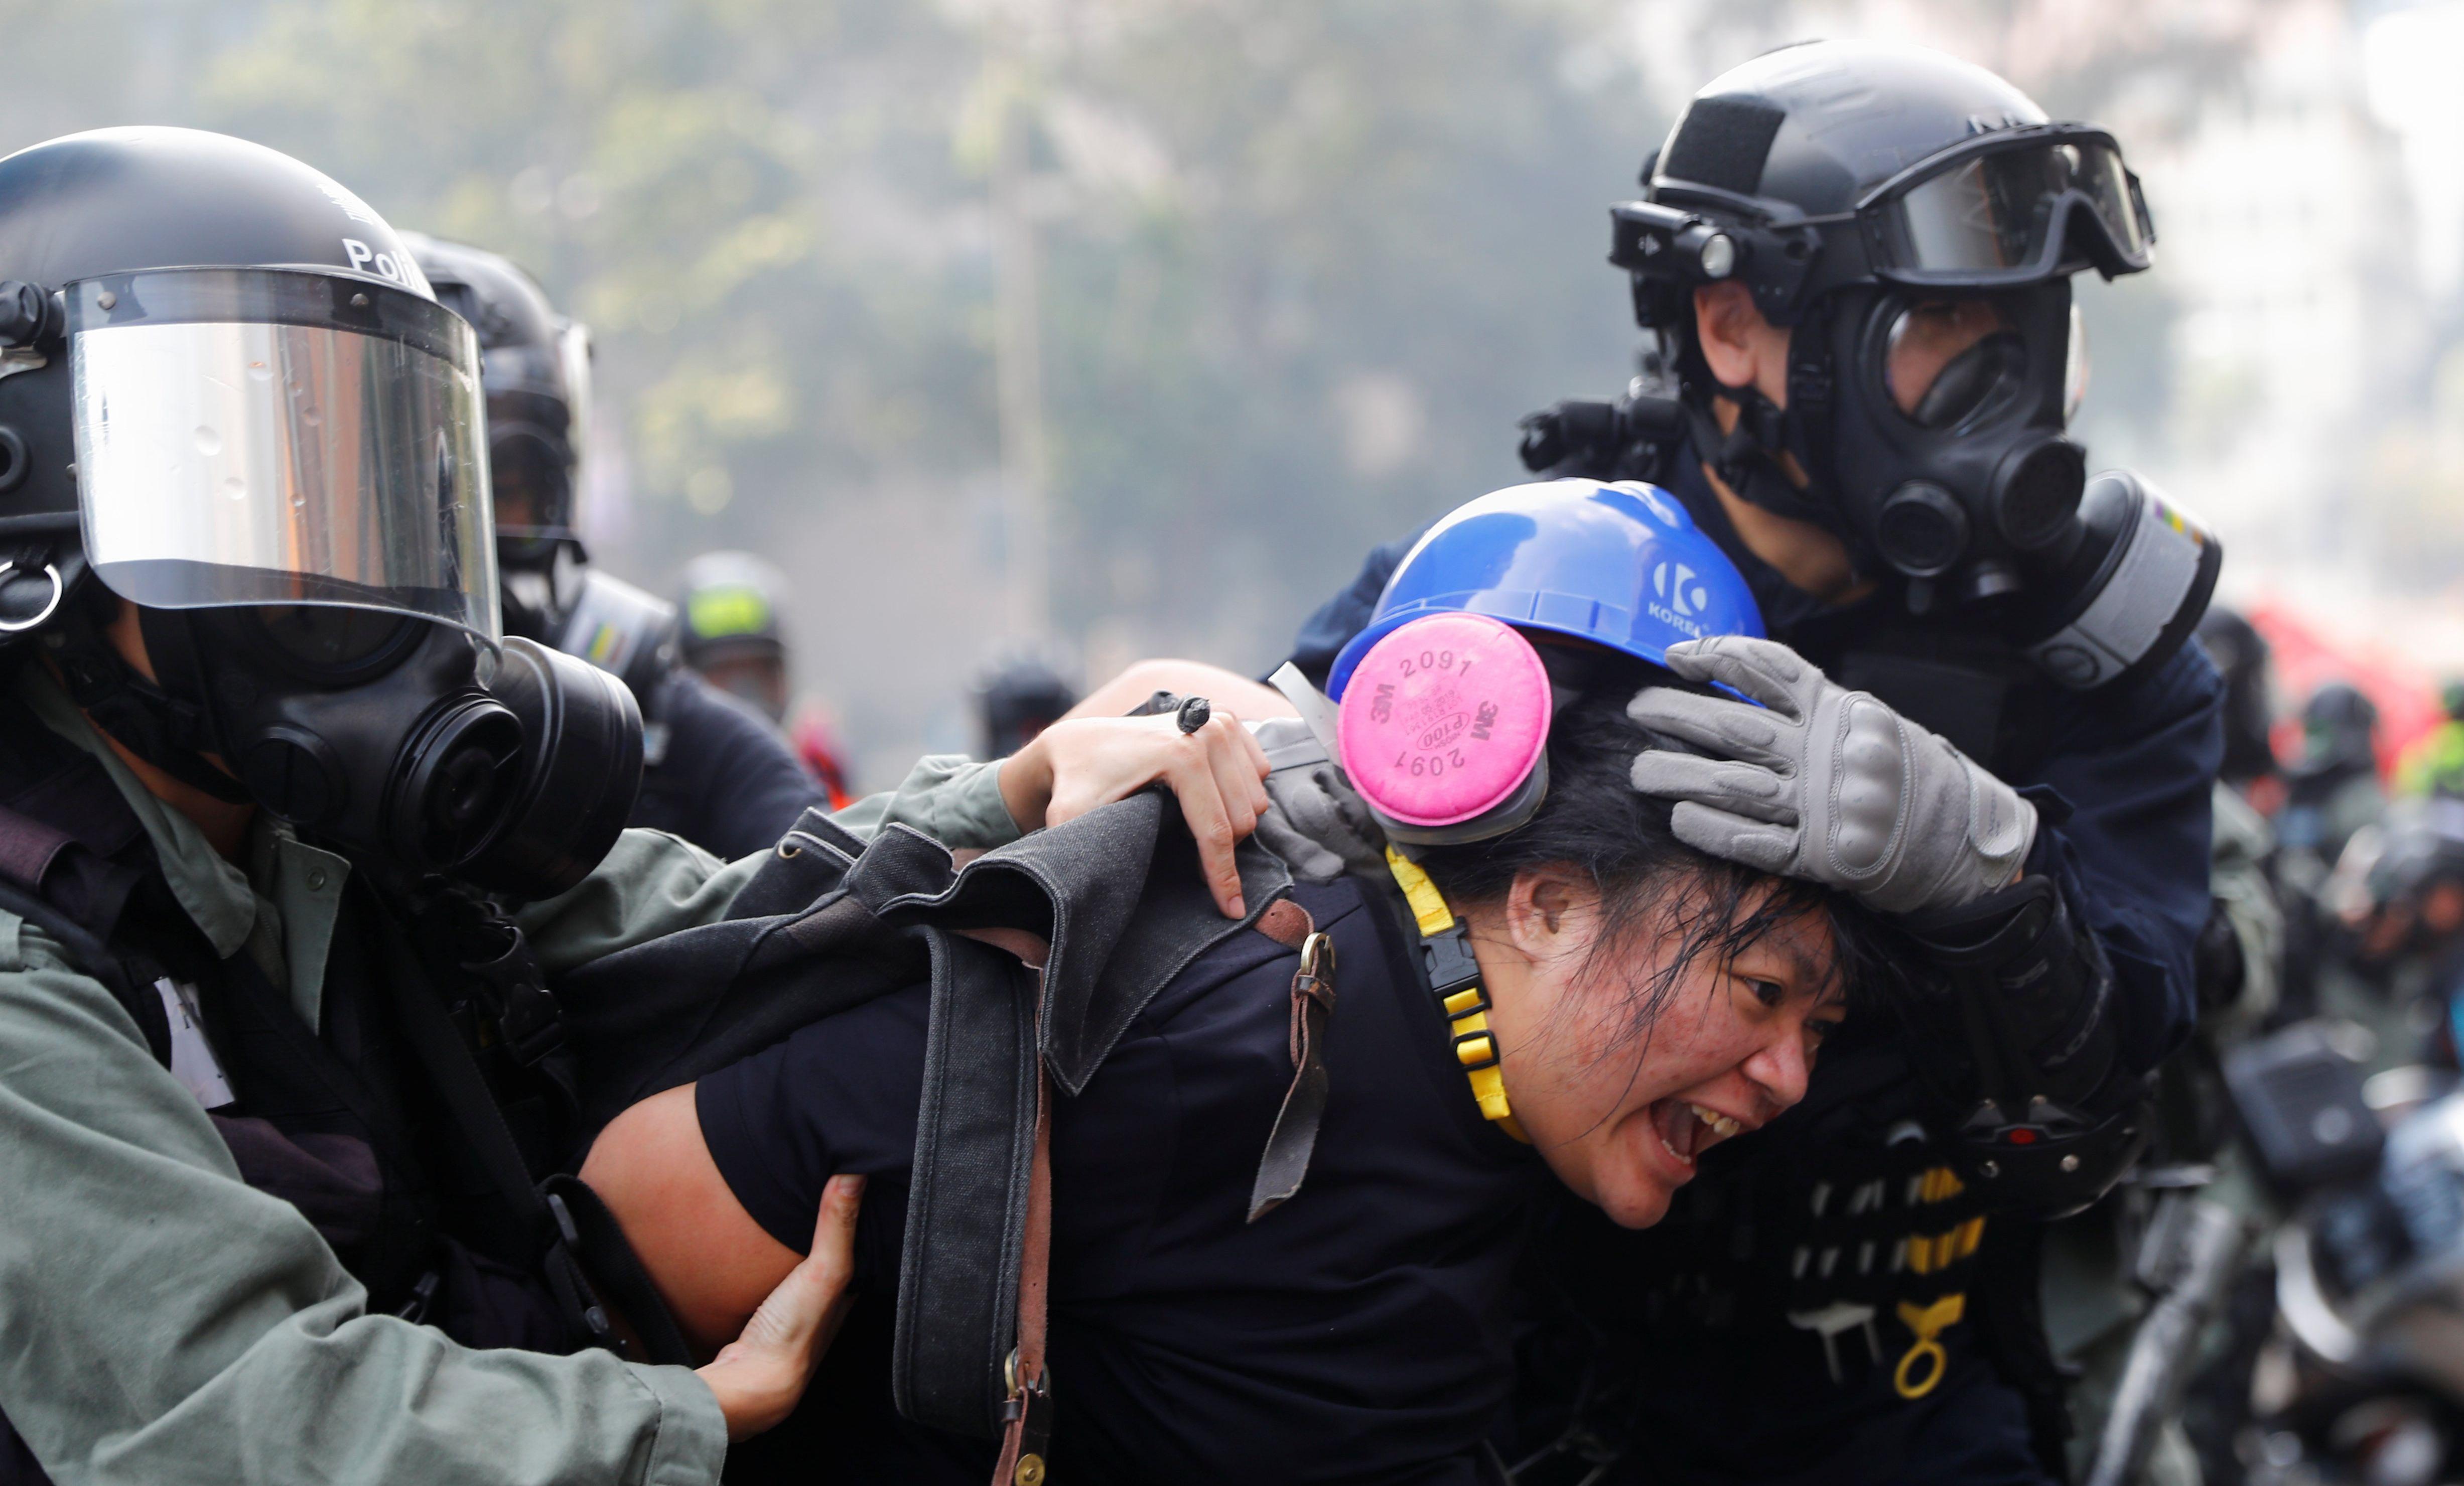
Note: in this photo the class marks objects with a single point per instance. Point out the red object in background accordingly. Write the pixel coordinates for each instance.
(2304, 658)
(817, 748)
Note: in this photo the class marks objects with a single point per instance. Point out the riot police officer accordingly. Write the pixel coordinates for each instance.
(734, 634)
(1015, 698)
(1854, 264)
(292, 845)
(715, 771)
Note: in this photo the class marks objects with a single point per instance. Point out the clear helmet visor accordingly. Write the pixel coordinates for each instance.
(573, 351)
(272, 437)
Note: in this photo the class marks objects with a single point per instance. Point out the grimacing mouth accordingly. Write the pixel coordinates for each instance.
(1686, 1128)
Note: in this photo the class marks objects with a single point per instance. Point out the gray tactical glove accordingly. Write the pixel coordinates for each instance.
(1314, 820)
(1827, 784)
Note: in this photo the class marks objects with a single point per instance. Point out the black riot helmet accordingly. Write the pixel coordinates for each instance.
(2339, 728)
(229, 397)
(1914, 221)
(534, 367)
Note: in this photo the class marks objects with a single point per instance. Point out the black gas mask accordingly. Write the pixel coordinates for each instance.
(1932, 427)
(1946, 450)
(409, 739)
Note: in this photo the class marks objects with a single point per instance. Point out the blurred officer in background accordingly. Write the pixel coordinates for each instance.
(1855, 261)
(1015, 699)
(2391, 922)
(734, 636)
(2241, 657)
(2333, 789)
(2399, 897)
(2331, 795)
(733, 607)
(2434, 763)
(715, 769)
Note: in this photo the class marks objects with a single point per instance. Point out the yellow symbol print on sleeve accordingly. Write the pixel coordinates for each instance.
(1929, 1323)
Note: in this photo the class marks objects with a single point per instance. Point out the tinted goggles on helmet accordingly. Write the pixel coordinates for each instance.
(2003, 210)
(2010, 208)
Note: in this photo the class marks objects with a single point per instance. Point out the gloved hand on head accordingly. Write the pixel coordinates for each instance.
(1314, 820)
(1824, 783)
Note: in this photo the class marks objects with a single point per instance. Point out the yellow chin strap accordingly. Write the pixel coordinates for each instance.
(1454, 974)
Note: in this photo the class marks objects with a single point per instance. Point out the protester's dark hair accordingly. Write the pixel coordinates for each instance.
(1653, 887)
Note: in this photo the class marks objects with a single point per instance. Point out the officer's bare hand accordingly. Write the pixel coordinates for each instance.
(759, 1376)
(1218, 773)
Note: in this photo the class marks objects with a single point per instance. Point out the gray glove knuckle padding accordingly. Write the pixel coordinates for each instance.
(1892, 830)
(1872, 784)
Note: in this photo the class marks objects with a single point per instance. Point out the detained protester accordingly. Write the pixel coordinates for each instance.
(716, 769)
(1289, 1164)
(1855, 261)
(290, 840)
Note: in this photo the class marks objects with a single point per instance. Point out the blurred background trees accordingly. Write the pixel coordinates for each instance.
(1108, 327)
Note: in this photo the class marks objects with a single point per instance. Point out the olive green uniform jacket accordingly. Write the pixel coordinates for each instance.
(162, 1323)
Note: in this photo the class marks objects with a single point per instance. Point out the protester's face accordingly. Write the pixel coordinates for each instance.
(1621, 1113)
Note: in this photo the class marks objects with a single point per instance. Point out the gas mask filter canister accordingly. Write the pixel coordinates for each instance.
(409, 739)
(1443, 729)
(2133, 590)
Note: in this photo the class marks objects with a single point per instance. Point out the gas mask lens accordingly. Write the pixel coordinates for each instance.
(1945, 360)
(335, 643)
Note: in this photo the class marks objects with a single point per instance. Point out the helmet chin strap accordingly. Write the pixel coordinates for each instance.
(139, 715)
(1746, 458)
(1749, 455)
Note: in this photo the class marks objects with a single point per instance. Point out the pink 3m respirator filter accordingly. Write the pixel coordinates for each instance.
(1445, 729)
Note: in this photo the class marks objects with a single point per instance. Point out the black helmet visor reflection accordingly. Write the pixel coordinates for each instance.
(2011, 207)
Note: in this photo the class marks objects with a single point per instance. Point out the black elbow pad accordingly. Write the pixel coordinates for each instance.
(2021, 1012)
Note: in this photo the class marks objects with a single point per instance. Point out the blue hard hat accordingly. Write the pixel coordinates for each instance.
(1618, 564)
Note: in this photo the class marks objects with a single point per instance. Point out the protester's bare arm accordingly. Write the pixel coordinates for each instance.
(766, 1312)
(758, 1377)
(711, 1261)
(1226, 689)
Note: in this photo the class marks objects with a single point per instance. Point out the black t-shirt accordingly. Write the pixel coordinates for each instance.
(1357, 1333)
(725, 778)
